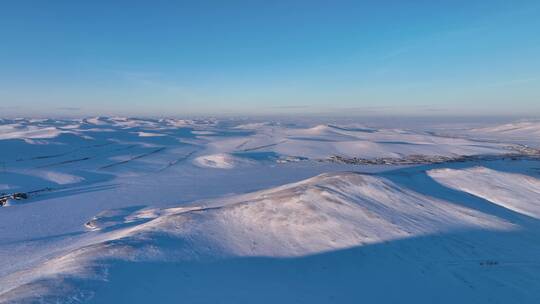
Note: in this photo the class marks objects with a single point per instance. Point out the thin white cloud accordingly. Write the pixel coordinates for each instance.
(512, 82)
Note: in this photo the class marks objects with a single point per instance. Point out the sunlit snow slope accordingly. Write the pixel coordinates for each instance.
(517, 192)
(351, 216)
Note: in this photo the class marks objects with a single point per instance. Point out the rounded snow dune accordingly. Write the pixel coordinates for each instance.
(219, 161)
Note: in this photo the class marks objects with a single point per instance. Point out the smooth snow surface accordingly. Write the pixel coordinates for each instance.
(128, 210)
(518, 192)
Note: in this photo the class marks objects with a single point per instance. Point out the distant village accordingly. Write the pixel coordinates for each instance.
(517, 152)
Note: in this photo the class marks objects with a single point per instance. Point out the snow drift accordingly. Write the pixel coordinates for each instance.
(219, 161)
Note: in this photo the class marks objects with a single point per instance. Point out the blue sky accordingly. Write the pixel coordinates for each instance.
(270, 57)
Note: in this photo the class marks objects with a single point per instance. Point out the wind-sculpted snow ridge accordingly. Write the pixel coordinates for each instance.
(518, 192)
(330, 212)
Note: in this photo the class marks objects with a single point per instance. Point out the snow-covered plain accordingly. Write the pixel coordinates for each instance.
(126, 210)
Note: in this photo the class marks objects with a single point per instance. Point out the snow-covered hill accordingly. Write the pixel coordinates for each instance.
(126, 210)
(323, 141)
(327, 213)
